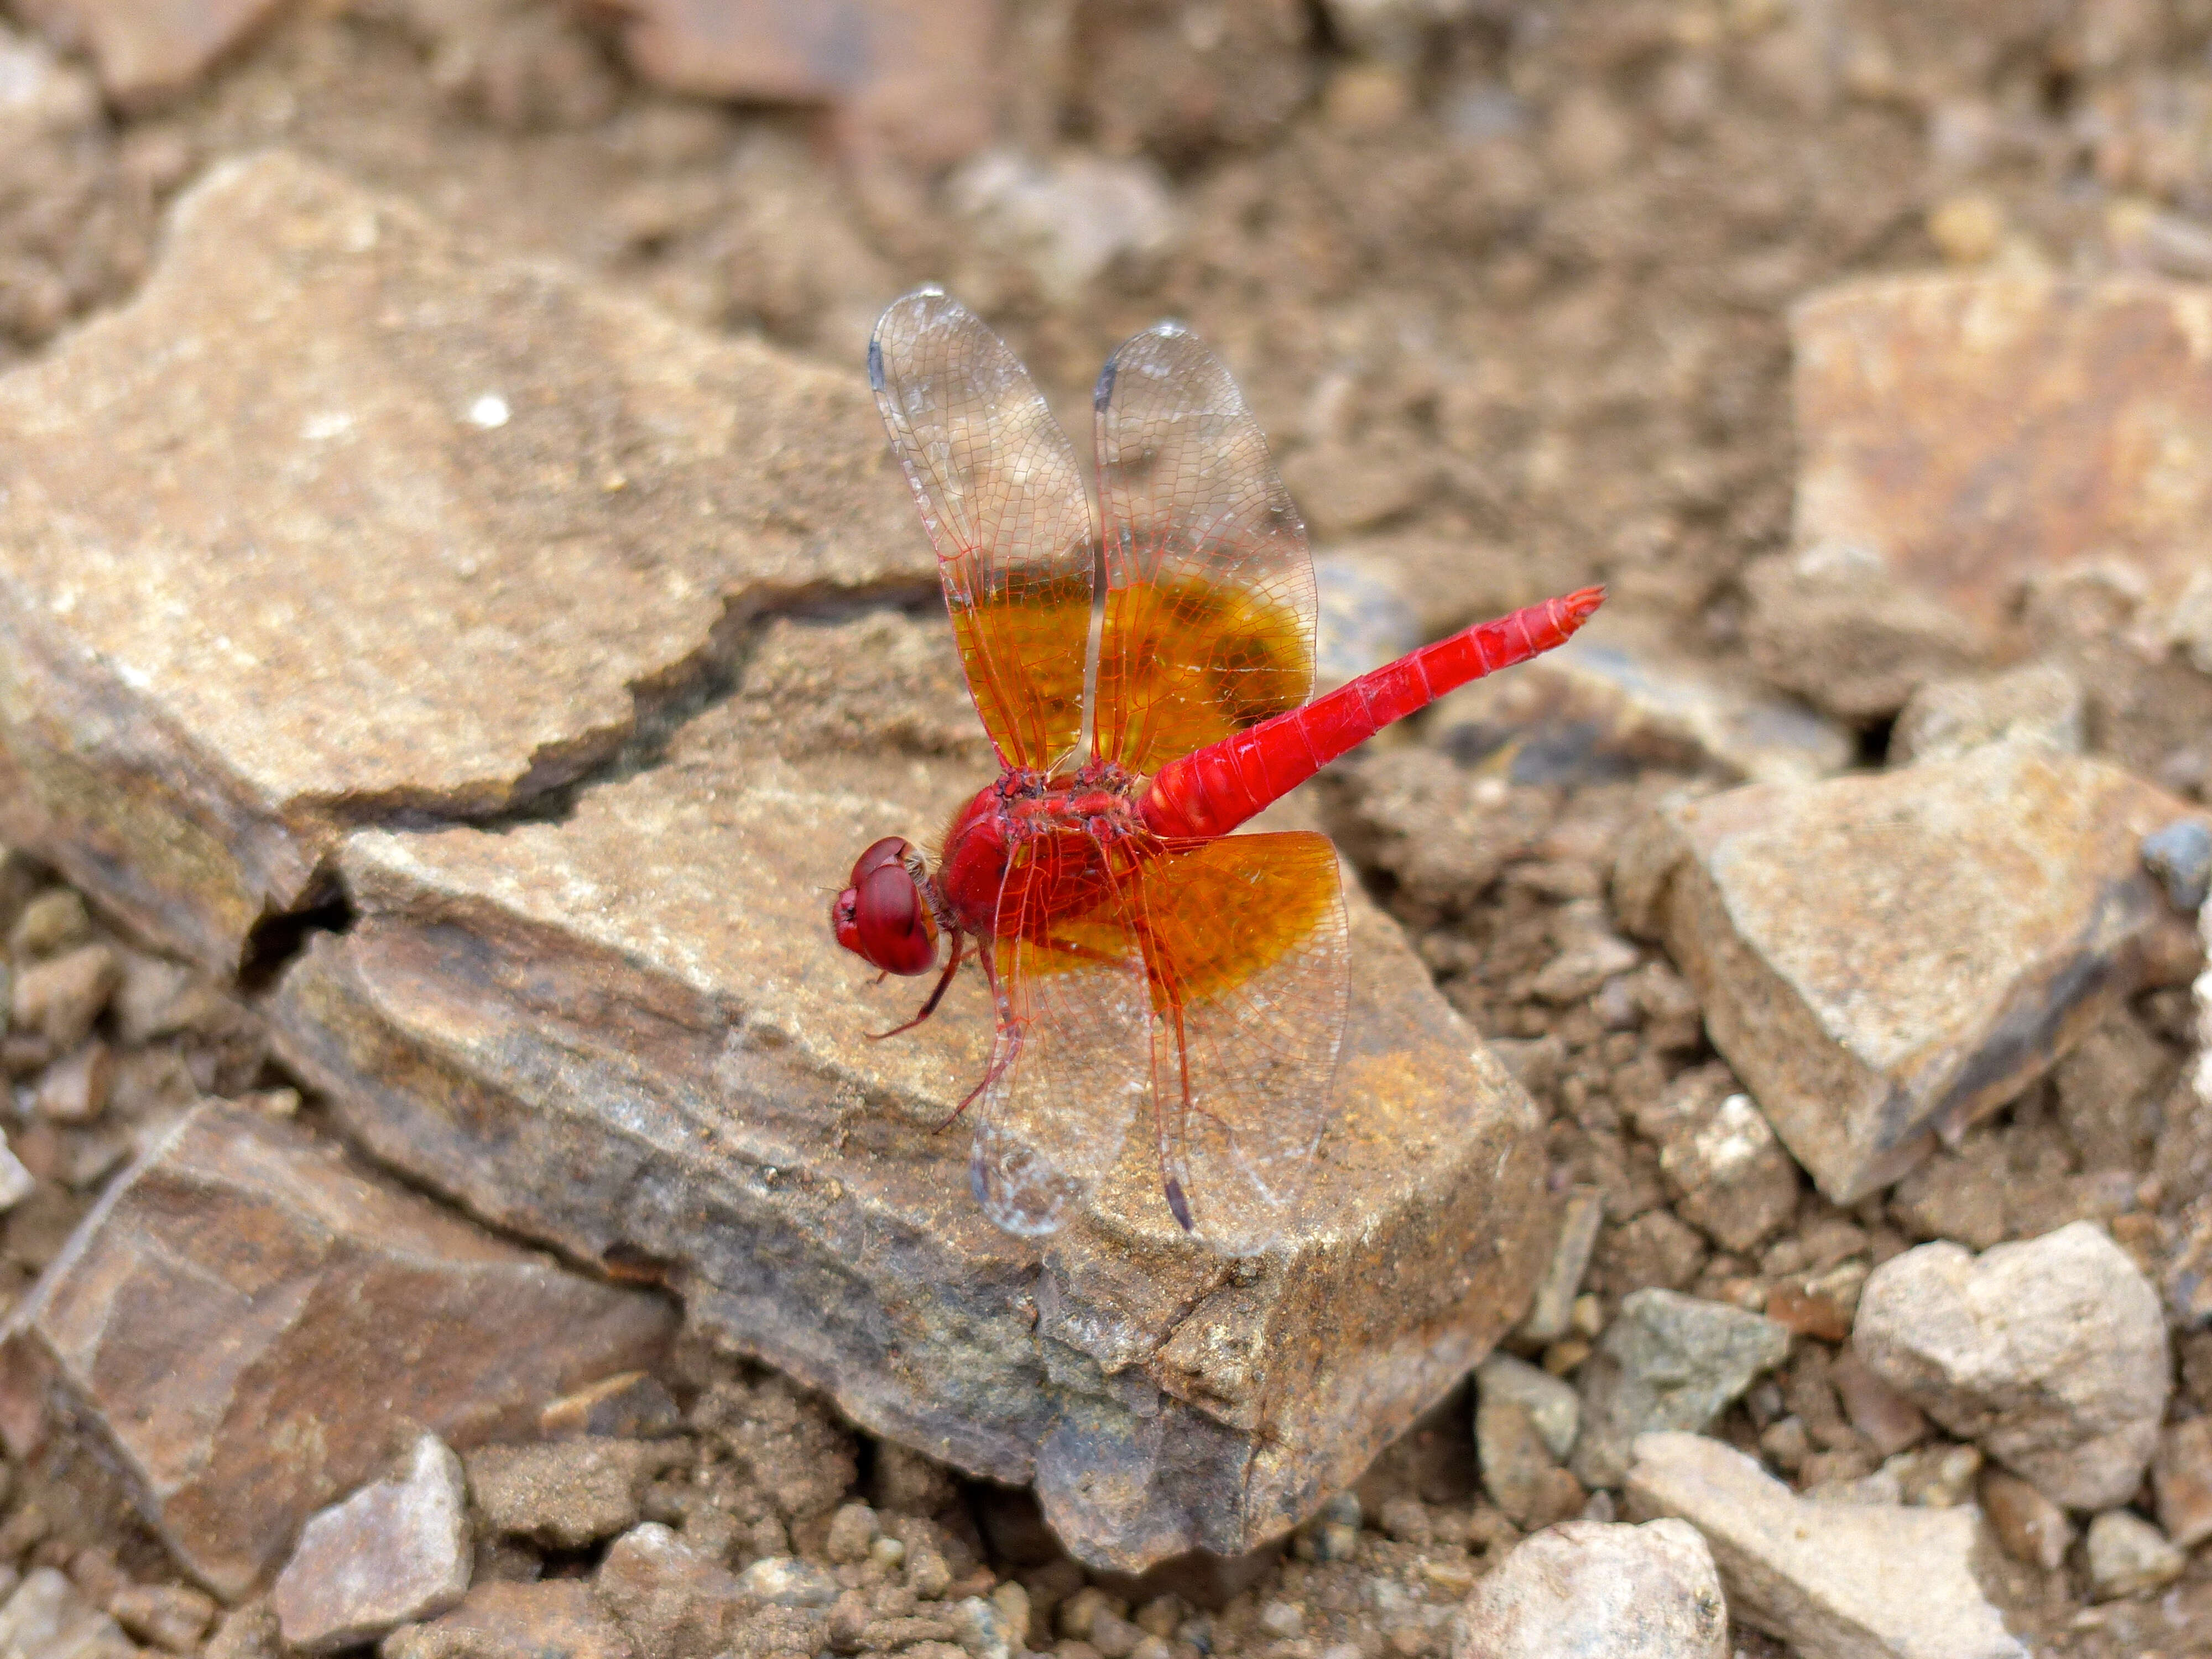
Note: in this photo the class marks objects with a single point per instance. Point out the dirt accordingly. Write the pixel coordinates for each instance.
(1511, 301)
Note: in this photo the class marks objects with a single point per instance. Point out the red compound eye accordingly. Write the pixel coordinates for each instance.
(881, 917)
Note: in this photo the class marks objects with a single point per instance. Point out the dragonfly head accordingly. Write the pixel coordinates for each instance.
(883, 917)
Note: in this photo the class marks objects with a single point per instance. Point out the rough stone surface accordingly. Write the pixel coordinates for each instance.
(2128, 1556)
(1551, 1404)
(1884, 958)
(245, 1322)
(907, 78)
(1617, 697)
(1580, 1214)
(1668, 1361)
(630, 1034)
(1832, 623)
(559, 1618)
(1589, 1590)
(395, 1551)
(673, 1601)
(2030, 1526)
(631, 1406)
(498, 517)
(2042, 702)
(2051, 1354)
(1826, 1577)
(2181, 1475)
(148, 52)
(46, 1617)
(1975, 429)
(568, 1494)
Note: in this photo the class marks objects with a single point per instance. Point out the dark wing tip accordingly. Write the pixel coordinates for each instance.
(876, 361)
(1103, 391)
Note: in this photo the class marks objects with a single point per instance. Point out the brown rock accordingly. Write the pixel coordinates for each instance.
(2181, 1474)
(1728, 1174)
(1581, 1213)
(395, 1551)
(148, 52)
(500, 517)
(1890, 1422)
(567, 1026)
(904, 77)
(1618, 697)
(60, 998)
(1974, 430)
(568, 1494)
(172, 1616)
(248, 1320)
(673, 1602)
(560, 1618)
(55, 918)
(74, 1087)
(1832, 623)
(1885, 957)
(2030, 1526)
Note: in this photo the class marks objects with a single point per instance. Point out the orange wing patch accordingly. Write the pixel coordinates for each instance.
(1188, 660)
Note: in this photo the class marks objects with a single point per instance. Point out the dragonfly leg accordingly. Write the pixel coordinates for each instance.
(1006, 1042)
(1171, 1170)
(943, 982)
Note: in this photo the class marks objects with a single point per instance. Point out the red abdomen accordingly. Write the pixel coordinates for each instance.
(1210, 791)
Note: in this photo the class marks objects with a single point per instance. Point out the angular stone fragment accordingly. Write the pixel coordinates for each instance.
(1824, 1576)
(1580, 1214)
(1588, 1590)
(1521, 1473)
(246, 1320)
(1832, 623)
(497, 516)
(1552, 1406)
(2128, 1556)
(395, 1551)
(1668, 1361)
(566, 1493)
(2030, 1526)
(559, 1618)
(2182, 1477)
(1618, 697)
(631, 1033)
(910, 78)
(1728, 1175)
(1976, 429)
(673, 1602)
(1884, 958)
(2051, 1354)
(1943, 719)
(46, 1616)
(148, 52)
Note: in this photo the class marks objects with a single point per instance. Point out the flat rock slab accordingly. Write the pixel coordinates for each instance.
(1834, 1580)
(486, 519)
(1974, 430)
(396, 1550)
(1884, 958)
(630, 1034)
(246, 1323)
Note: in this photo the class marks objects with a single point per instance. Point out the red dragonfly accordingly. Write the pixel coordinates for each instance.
(1146, 690)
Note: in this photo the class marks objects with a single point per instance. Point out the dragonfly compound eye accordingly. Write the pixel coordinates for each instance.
(889, 924)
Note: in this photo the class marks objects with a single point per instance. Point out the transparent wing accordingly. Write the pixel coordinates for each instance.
(1071, 1066)
(1250, 966)
(1003, 502)
(1210, 601)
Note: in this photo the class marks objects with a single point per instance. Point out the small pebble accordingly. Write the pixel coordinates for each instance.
(783, 1581)
(1077, 1612)
(888, 1553)
(1114, 1636)
(2128, 1556)
(75, 1088)
(171, 1616)
(1151, 1647)
(1284, 1619)
(2180, 856)
(1404, 1519)
(52, 922)
(17, 1182)
(852, 1534)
